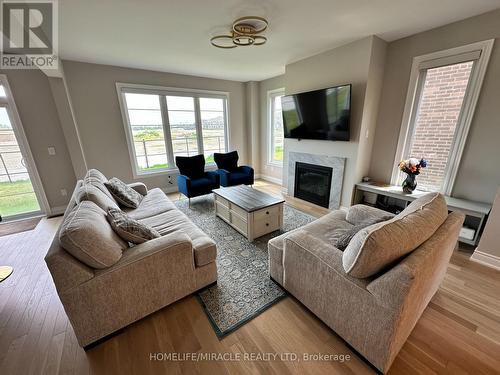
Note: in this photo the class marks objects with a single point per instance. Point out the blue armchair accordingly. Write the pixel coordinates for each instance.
(229, 172)
(193, 181)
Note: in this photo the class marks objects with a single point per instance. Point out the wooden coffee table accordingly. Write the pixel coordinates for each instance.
(251, 212)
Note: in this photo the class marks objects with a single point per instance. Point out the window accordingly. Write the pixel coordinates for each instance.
(275, 125)
(163, 123)
(444, 88)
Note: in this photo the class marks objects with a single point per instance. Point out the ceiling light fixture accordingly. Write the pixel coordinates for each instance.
(245, 31)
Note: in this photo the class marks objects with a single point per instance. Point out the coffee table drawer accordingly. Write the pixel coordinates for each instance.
(221, 200)
(222, 211)
(240, 211)
(266, 225)
(239, 223)
(267, 212)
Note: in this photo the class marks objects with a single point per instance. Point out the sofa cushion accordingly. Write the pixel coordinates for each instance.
(89, 192)
(375, 247)
(154, 203)
(227, 161)
(129, 229)
(174, 221)
(87, 236)
(191, 166)
(328, 228)
(123, 194)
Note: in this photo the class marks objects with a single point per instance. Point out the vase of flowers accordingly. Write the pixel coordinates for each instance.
(412, 169)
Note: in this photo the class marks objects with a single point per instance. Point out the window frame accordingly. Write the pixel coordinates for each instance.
(162, 92)
(271, 94)
(419, 69)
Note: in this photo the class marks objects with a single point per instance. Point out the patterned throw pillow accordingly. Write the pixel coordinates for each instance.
(129, 229)
(123, 194)
(344, 239)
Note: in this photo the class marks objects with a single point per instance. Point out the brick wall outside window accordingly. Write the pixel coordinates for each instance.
(437, 117)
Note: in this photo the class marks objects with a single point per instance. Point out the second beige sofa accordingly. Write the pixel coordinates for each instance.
(374, 292)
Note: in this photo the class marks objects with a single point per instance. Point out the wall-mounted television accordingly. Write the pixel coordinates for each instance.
(321, 114)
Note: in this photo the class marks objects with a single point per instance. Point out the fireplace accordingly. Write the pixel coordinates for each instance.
(313, 183)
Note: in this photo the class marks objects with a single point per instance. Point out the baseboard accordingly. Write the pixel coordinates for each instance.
(169, 189)
(486, 259)
(274, 180)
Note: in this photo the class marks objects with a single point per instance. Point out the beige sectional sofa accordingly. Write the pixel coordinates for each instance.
(121, 289)
(374, 292)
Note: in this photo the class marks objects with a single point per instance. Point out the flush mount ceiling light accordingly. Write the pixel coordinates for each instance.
(245, 31)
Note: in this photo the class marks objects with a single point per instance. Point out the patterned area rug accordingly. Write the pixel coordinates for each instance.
(243, 288)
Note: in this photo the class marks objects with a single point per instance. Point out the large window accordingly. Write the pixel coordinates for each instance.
(164, 123)
(444, 88)
(275, 124)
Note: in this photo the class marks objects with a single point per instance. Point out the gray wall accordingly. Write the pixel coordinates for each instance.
(95, 102)
(479, 175)
(38, 113)
(266, 169)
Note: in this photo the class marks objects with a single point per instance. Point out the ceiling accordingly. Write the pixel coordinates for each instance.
(173, 35)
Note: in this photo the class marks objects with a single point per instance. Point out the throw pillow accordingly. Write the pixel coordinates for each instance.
(130, 229)
(123, 194)
(346, 237)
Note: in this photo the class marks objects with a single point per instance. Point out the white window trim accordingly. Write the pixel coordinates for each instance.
(417, 79)
(122, 88)
(9, 103)
(270, 129)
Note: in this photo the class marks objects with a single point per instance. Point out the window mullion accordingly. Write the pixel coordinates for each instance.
(167, 136)
(271, 124)
(199, 131)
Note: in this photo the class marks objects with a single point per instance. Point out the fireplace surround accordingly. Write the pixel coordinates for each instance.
(335, 162)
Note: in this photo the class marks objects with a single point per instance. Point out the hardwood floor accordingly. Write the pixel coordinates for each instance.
(459, 333)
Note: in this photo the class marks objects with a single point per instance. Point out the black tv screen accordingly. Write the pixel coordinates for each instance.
(321, 114)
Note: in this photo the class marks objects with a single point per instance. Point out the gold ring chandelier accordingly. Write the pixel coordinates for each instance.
(244, 32)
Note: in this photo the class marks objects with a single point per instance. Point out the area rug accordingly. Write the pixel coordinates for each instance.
(243, 289)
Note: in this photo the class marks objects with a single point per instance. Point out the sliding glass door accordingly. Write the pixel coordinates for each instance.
(18, 198)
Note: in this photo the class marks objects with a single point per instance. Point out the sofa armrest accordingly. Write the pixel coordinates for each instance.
(169, 242)
(184, 184)
(213, 176)
(223, 176)
(139, 187)
(247, 170)
(360, 213)
(324, 252)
